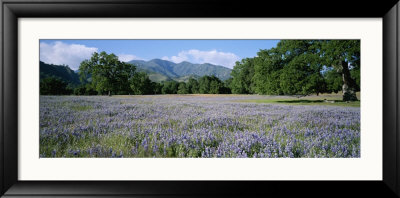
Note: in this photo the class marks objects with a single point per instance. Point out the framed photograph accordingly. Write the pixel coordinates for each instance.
(200, 99)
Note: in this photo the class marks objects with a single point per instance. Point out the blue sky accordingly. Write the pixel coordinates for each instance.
(219, 52)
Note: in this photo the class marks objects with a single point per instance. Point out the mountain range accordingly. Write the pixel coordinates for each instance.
(60, 71)
(157, 69)
(163, 70)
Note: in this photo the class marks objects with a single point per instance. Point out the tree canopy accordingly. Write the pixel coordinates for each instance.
(107, 73)
(54, 86)
(301, 67)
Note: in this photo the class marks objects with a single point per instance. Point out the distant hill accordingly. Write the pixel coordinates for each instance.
(159, 66)
(186, 68)
(63, 72)
(186, 78)
(157, 69)
(162, 70)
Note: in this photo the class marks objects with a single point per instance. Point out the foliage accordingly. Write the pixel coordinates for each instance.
(355, 74)
(212, 85)
(141, 84)
(301, 67)
(193, 86)
(62, 72)
(343, 55)
(182, 88)
(108, 74)
(170, 87)
(333, 80)
(157, 87)
(267, 72)
(54, 86)
(242, 75)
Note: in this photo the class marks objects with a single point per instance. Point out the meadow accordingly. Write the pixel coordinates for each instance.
(192, 126)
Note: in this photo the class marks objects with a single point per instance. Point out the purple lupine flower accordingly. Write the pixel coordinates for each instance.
(208, 126)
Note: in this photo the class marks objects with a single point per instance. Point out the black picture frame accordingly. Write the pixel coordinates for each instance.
(11, 10)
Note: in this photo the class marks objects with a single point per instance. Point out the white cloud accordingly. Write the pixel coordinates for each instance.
(60, 53)
(215, 57)
(165, 58)
(128, 57)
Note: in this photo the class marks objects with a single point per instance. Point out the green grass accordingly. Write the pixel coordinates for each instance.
(334, 99)
(81, 108)
(306, 102)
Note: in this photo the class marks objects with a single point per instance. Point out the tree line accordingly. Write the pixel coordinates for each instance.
(293, 67)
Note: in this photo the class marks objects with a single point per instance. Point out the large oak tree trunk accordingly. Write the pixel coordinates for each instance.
(349, 85)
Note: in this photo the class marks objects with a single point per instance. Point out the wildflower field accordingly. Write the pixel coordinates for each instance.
(191, 126)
